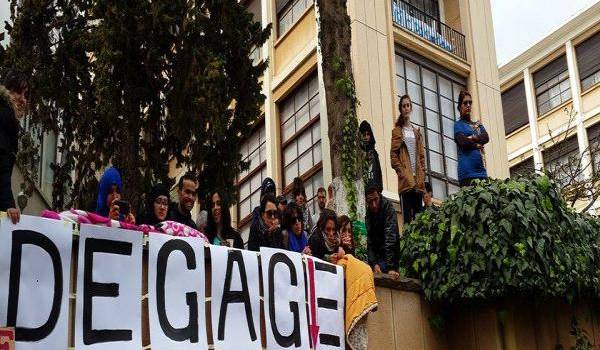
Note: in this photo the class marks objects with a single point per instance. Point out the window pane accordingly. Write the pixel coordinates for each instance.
(291, 171)
(434, 141)
(302, 117)
(445, 87)
(414, 91)
(431, 101)
(452, 168)
(452, 189)
(290, 153)
(433, 120)
(245, 190)
(439, 188)
(401, 87)
(450, 148)
(289, 129)
(313, 86)
(412, 71)
(245, 208)
(448, 127)
(315, 108)
(436, 162)
(447, 107)
(301, 96)
(305, 163)
(304, 142)
(316, 132)
(417, 115)
(429, 79)
(317, 153)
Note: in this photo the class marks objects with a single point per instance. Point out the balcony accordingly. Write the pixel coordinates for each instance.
(408, 17)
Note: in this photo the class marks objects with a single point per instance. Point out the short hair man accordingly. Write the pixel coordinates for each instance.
(321, 201)
(383, 235)
(187, 192)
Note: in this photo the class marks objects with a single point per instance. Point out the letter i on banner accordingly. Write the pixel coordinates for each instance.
(109, 289)
(285, 299)
(35, 260)
(235, 299)
(325, 304)
(176, 296)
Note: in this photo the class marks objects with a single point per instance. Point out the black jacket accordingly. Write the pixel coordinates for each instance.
(9, 139)
(373, 173)
(260, 237)
(175, 215)
(317, 245)
(383, 236)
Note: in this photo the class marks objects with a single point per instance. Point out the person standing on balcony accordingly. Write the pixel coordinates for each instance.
(373, 173)
(13, 99)
(407, 155)
(470, 136)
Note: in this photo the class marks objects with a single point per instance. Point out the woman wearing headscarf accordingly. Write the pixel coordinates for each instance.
(109, 197)
(218, 228)
(373, 173)
(13, 99)
(324, 243)
(157, 205)
(293, 227)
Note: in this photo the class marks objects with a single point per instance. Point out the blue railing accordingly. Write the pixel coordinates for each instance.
(429, 28)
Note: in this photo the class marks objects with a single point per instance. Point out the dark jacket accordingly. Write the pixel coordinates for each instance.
(9, 143)
(260, 237)
(318, 247)
(177, 216)
(149, 218)
(373, 172)
(383, 236)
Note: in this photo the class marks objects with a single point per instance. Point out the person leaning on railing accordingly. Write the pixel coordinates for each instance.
(13, 99)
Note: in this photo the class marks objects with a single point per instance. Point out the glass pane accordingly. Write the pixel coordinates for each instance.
(450, 148)
(417, 115)
(401, 87)
(414, 91)
(412, 71)
(434, 141)
(315, 108)
(445, 87)
(289, 129)
(290, 153)
(304, 142)
(313, 86)
(317, 153)
(436, 162)
(565, 95)
(429, 79)
(305, 163)
(255, 182)
(452, 189)
(399, 65)
(439, 188)
(431, 101)
(245, 208)
(286, 109)
(255, 199)
(448, 127)
(254, 160)
(302, 117)
(452, 168)
(301, 96)
(253, 142)
(263, 152)
(433, 120)
(447, 107)
(316, 132)
(245, 190)
(291, 171)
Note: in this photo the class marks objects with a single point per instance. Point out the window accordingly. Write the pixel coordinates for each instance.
(552, 87)
(433, 93)
(301, 137)
(524, 168)
(593, 133)
(289, 12)
(430, 7)
(561, 161)
(514, 106)
(254, 7)
(253, 151)
(588, 61)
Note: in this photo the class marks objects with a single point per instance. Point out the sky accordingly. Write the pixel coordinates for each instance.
(519, 24)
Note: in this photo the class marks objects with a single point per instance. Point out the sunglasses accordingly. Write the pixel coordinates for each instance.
(271, 213)
(467, 103)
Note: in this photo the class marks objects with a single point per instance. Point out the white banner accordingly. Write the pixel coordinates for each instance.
(325, 304)
(109, 289)
(235, 301)
(35, 259)
(285, 299)
(176, 292)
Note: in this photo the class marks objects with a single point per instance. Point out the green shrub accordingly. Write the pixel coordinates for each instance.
(502, 238)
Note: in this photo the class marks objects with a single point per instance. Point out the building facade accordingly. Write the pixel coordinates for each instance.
(429, 49)
(551, 98)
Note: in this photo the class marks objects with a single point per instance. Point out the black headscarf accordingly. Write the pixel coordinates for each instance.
(158, 190)
(268, 186)
(364, 127)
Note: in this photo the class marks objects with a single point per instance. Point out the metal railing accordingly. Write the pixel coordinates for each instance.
(429, 28)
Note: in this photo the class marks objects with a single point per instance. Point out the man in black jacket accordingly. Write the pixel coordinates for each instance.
(13, 98)
(382, 233)
(187, 191)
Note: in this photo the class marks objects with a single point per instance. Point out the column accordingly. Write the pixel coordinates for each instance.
(538, 161)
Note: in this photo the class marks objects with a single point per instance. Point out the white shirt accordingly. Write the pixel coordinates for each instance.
(411, 144)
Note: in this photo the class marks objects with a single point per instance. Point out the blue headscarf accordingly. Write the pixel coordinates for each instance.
(297, 244)
(110, 177)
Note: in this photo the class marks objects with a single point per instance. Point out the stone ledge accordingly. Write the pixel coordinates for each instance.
(402, 283)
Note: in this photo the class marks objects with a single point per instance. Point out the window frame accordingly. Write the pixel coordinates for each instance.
(288, 9)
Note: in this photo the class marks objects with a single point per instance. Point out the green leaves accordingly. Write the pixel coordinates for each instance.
(503, 237)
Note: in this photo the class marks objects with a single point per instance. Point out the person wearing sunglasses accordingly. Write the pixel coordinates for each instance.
(266, 232)
(293, 229)
(470, 137)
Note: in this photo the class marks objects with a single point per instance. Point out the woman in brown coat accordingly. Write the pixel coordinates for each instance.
(408, 159)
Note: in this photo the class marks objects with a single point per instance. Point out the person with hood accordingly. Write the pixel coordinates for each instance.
(267, 232)
(373, 173)
(157, 205)
(325, 242)
(218, 227)
(299, 198)
(407, 155)
(267, 188)
(109, 197)
(13, 100)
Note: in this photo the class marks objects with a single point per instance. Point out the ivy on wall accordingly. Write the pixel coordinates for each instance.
(502, 238)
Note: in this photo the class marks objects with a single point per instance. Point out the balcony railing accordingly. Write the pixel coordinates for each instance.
(429, 28)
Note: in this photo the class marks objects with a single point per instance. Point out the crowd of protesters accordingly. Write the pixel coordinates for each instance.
(277, 222)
